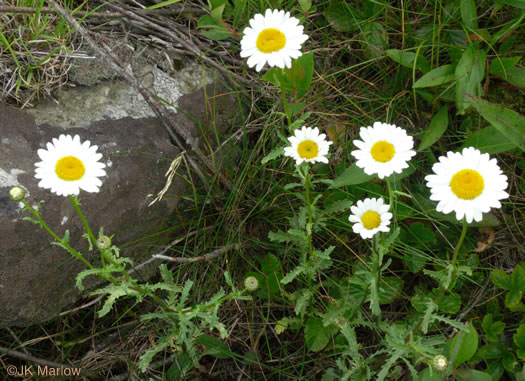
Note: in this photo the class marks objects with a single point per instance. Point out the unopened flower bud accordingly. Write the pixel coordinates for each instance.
(251, 283)
(103, 242)
(17, 194)
(440, 363)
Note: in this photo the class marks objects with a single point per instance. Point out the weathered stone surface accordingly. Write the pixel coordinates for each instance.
(36, 277)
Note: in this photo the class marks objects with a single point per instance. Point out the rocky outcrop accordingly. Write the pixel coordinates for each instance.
(37, 279)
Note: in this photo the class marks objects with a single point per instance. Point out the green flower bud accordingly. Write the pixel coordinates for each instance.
(440, 363)
(251, 283)
(17, 194)
(103, 242)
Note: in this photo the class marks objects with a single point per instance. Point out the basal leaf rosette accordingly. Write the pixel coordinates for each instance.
(274, 38)
(68, 165)
(370, 216)
(468, 183)
(383, 150)
(307, 145)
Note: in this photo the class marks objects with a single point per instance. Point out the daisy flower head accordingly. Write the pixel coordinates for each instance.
(275, 38)
(468, 183)
(384, 149)
(370, 216)
(68, 165)
(308, 145)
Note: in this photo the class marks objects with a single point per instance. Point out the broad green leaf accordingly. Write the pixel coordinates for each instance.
(438, 126)
(390, 289)
(429, 375)
(464, 345)
(342, 16)
(299, 76)
(374, 40)
(513, 298)
(271, 267)
(273, 154)
(518, 278)
(508, 122)
(316, 335)
(450, 303)
(305, 5)
(489, 140)
(468, 14)
(492, 329)
(470, 71)
(436, 77)
(464, 374)
(501, 66)
(491, 351)
(519, 340)
(181, 365)
(216, 13)
(500, 279)
(408, 59)
(214, 347)
(353, 175)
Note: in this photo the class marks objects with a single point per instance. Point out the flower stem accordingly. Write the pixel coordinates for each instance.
(76, 206)
(73, 252)
(286, 106)
(390, 193)
(460, 242)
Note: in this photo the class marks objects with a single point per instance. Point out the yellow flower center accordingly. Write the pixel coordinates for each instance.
(271, 40)
(69, 168)
(371, 219)
(467, 184)
(308, 149)
(383, 151)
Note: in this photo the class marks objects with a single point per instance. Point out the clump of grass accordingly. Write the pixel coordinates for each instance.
(36, 49)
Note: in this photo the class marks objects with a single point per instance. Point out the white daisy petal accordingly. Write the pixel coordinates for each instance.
(274, 38)
(307, 145)
(369, 217)
(383, 150)
(467, 183)
(69, 165)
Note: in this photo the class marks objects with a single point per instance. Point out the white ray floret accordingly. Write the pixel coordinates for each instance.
(68, 165)
(370, 216)
(274, 38)
(308, 145)
(467, 183)
(383, 150)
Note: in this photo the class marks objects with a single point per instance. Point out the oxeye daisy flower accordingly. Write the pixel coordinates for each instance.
(468, 183)
(69, 165)
(308, 145)
(384, 149)
(275, 38)
(370, 216)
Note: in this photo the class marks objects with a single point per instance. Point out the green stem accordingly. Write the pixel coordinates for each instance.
(286, 106)
(73, 252)
(92, 238)
(310, 218)
(460, 242)
(76, 206)
(390, 193)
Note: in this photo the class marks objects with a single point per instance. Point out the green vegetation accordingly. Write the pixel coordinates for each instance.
(331, 305)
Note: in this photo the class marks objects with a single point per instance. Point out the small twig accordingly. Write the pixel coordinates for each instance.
(186, 43)
(88, 304)
(13, 334)
(36, 360)
(181, 10)
(201, 258)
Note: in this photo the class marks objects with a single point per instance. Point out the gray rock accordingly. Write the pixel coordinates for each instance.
(37, 279)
